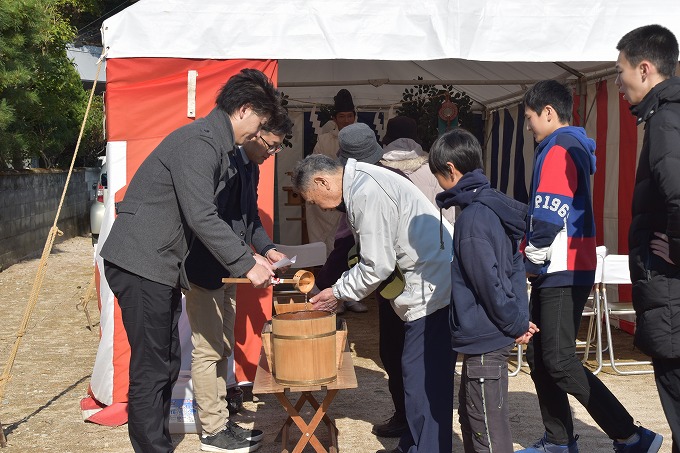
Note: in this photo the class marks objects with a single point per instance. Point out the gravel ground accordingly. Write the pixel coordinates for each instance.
(39, 410)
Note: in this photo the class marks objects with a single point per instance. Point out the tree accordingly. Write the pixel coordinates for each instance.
(42, 100)
(422, 103)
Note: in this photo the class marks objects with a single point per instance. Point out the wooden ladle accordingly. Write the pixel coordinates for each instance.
(303, 280)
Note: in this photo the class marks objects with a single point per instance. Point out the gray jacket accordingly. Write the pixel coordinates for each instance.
(172, 199)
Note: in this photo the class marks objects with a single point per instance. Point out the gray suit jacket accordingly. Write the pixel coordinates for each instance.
(172, 199)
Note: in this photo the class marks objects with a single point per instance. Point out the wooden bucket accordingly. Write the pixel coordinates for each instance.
(304, 347)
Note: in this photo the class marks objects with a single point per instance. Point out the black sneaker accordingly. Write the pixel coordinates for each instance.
(394, 427)
(234, 400)
(254, 435)
(225, 441)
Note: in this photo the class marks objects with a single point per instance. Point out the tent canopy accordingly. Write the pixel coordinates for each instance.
(491, 50)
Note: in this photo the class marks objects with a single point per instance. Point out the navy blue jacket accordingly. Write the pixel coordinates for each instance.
(489, 306)
(237, 206)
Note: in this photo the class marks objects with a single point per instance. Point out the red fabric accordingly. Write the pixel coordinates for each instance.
(95, 412)
(558, 173)
(146, 99)
(627, 164)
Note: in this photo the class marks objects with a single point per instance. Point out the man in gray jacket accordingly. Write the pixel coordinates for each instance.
(396, 225)
(170, 201)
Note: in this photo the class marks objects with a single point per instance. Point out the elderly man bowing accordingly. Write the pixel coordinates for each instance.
(400, 238)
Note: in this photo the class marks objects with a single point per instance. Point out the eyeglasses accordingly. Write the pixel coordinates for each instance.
(271, 150)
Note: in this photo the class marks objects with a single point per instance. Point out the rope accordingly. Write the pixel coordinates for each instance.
(42, 267)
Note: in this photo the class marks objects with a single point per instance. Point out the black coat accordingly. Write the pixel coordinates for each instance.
(656, 208)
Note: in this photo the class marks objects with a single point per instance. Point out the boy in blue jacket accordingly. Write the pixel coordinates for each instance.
(489, 310)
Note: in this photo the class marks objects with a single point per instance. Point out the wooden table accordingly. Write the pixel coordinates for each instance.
(265, 383)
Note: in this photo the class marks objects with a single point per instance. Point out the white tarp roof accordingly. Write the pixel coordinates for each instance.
(329, 44)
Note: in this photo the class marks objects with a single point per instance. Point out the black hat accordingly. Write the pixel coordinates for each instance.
(401, 127)
(342, 102)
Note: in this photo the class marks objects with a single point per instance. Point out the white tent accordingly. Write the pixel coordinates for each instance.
(489, 49)
(165, 58)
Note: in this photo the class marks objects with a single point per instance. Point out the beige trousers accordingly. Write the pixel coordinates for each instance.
(211, 316)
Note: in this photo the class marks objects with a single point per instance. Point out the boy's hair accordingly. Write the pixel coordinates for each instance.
(279, 123)
(459, 147)
(654, 43)
(305, 170)
(553, 93)
(249, 87)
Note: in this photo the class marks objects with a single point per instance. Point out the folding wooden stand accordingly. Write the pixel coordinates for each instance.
(265, 383)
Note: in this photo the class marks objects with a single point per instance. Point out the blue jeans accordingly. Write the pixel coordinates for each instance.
(557, 372)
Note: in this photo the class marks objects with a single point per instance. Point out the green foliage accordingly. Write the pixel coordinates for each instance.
(422, 103)
(42, 100)
(93, 143)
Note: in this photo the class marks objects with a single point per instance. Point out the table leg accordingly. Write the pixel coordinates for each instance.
(332, 429)
(307, 430)
(285, 429)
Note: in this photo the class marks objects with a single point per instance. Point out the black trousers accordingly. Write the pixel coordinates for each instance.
(150, 312)
(483, 402)
(667, 376)
(391, 343)
(557, 372)
(335, 264)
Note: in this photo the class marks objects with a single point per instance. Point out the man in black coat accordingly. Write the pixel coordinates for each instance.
(646, 66)
(170, 201)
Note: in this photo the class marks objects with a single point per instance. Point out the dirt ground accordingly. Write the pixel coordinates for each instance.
(40, 408)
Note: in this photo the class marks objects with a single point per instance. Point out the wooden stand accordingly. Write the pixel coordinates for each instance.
(265, 383)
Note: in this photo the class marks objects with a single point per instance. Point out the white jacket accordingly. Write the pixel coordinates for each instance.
(395, 223)
(408, 156)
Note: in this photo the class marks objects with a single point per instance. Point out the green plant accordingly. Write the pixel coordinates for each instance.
(422, 103)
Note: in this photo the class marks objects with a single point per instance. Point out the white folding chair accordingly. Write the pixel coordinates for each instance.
(593, 310)
(616, 272)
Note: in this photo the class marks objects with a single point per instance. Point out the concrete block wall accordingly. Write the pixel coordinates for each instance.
(28, 205)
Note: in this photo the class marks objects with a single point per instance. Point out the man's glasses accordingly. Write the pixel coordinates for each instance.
(271, 150)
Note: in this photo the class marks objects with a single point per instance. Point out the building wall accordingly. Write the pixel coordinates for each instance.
(28, 205)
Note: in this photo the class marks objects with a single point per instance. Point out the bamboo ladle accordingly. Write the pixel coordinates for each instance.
(303, 280)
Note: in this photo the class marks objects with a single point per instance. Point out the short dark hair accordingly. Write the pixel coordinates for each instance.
(459, 147)
(654, 43)
(249, 87)
(305, 170)
(553, 93)
(279, 123)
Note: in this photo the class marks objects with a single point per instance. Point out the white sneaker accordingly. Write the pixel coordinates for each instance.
(356, 307)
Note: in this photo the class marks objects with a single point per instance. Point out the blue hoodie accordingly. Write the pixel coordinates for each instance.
(561, 242)
(489, 308)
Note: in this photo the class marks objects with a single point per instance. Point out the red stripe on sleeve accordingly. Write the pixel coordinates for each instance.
(558, 173)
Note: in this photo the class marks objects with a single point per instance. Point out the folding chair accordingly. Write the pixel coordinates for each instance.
(616, 272)
(593, 310)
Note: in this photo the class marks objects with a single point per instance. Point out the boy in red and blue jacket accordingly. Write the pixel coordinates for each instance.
(560, 264)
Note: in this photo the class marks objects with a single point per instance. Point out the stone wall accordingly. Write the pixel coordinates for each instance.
(28, 205)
